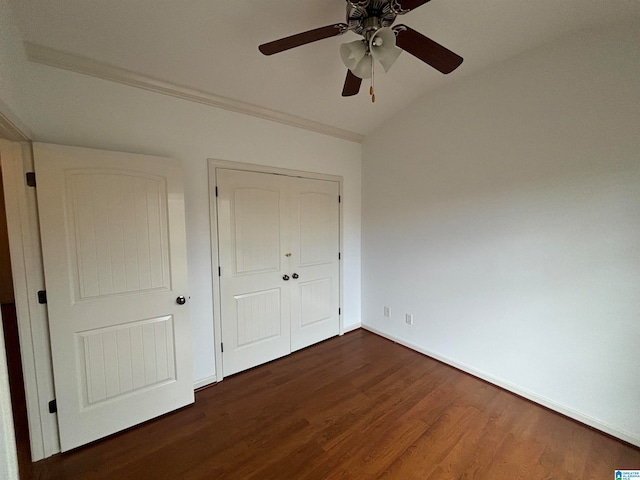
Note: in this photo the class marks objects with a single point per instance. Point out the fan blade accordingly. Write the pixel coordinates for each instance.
(303, 38)
(351, 85)
(407, 5)
(427, 50)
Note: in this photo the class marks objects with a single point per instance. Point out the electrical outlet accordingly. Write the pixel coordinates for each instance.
(387, 312)
(408, 319)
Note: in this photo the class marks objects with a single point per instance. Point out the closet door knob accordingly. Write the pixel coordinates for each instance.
(295, 275)
(181, 300)
(285, 278)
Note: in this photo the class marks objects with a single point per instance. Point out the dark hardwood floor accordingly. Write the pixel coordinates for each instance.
(16, 383)
(357, 406)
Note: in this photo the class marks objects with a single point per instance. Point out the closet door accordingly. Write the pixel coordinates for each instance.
(315, 218)
(279, 278)
(253, 229)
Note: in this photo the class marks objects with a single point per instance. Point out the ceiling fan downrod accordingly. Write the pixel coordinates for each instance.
(370, 26)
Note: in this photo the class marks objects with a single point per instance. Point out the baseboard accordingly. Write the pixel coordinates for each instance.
(539, 399)
(351, 328)
(205, 382)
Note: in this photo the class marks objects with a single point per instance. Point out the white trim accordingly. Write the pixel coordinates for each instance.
(28, 277)
(8, 451)
(215, 265)
(205, 382)
(352, 327)
(215, 261)
(79, 64)
(534, 397)
(10, 126)
(254, 167)
(341, 330)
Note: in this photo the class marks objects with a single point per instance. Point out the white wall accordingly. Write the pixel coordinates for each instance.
(10, 54)
(73, 109)
(11, 63)
(6, 279)
(77, 110)
(504, 212)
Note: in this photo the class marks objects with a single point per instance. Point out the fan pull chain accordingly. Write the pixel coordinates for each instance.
(373, 95)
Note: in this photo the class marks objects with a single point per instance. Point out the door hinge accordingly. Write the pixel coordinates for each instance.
(222, 347)
(339, 311)
(53, 406)
(219, 271)
(216, 190)
(31, 179)
(339, 199)
(42, 296)
(339, 256)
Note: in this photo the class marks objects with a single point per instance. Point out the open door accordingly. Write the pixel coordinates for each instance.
(113, 240)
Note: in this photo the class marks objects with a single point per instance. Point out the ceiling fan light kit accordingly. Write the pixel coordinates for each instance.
(373, 19)
(353, 53)
(383, 47)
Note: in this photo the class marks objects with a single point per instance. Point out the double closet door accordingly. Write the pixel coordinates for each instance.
(279, 259)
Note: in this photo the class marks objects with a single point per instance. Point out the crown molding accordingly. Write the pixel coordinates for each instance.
(11, 128)
(79, 64)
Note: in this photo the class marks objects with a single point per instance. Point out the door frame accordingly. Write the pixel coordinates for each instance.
(215, 259)
(28, 278)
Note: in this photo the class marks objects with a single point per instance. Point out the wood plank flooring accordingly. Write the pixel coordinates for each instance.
(16, 381)
(353, 407)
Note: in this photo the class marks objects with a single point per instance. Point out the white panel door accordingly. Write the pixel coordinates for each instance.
(279, 284)
(253, 223)
(315, 247)
(113, 240)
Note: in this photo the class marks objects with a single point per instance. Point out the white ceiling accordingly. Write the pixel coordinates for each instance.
(211, 45)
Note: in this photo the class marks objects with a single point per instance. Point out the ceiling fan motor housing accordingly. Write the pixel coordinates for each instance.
(361, 15)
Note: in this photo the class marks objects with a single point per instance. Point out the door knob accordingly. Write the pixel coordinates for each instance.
(285, 278)
(181, 300)
(295, 275)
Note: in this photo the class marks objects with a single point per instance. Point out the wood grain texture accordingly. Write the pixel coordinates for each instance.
(16, 384)
(430, 52)
(357, 406)
(351, 85)
(303, 38)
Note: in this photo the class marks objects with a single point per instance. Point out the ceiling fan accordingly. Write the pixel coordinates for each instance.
(373, 19)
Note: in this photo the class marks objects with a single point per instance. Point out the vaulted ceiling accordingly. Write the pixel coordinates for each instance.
(211, 46)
